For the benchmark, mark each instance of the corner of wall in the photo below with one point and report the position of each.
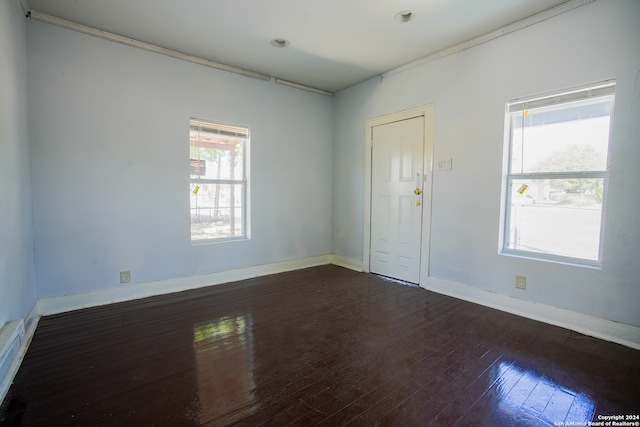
(346, 262)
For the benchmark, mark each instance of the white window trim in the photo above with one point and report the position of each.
(246, 226)
(605, 88)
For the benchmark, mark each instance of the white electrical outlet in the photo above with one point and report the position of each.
(125, 276)
(521, 282)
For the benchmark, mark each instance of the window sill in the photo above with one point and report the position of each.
(571, 262)
(219, 240)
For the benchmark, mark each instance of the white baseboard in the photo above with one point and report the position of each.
(346, 262)
(11, 338)
(60, 304)
(15, 337)
(626, 335)
(620, 333)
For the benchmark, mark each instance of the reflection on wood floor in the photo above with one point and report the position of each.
(320, 346)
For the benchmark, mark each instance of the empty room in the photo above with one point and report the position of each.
(407, 213)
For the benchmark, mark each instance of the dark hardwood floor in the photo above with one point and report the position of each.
(321, 346)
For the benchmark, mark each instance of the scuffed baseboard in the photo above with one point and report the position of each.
(620, 333)
(60, 304)
(15, 337)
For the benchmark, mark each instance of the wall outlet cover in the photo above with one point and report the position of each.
(125, 276)
(444, 164)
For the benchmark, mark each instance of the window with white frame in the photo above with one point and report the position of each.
(557, 174)
(218, 181)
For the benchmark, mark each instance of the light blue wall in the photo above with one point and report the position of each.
(468, 90)
(17, 280)
(109, 131)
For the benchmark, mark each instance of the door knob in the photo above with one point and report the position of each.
(417, 191)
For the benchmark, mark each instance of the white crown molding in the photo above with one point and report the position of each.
(25, 7)
(503, 31)
(70, 25)
(542, 16)
(85, 29)
(304, 87)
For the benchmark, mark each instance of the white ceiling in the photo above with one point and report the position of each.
(334, 44)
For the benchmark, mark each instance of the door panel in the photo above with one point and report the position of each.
(396, 210)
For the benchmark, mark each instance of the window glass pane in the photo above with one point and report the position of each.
(218, 180)
(556, 216)
(557, 170)
(216, 156)
(567, 137)
(217, 211)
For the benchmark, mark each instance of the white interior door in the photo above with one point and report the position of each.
(397, 179)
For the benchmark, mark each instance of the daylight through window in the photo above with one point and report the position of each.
(557, 178)
(218, 181)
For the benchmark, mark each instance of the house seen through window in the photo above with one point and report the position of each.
(557, 177)
(218, 181)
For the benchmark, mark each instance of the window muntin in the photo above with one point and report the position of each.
(218, 181)
(556, 183)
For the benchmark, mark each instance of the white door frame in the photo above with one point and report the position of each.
(427, 112)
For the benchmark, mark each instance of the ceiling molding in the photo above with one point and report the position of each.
(508, 29)
(503, 31)
(25, 7)
(70, 25)
(303, 87)
(85, 29)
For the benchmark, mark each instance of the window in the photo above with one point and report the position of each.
(557, 176)
(218, 181)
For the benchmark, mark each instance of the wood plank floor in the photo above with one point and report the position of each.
(320, 346)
